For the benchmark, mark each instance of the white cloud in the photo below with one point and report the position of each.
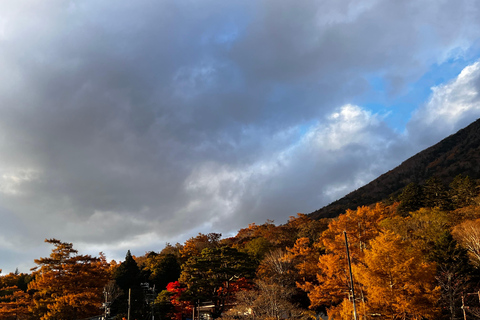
(11, 180)
(450, 107)
(349, 125)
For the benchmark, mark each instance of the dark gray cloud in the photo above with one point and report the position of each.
(126, 125)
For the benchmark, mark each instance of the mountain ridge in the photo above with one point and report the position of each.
(457, 154)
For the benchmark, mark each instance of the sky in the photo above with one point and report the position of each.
(126, 125)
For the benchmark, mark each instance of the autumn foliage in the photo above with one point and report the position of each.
(414, 259)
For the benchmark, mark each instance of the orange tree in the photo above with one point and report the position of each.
(398, 281)
(194, 246)
(68, 285)
(14, 304)
(328, 286)
(14, 301)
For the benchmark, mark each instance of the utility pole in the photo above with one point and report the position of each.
(129, 297)
(351, 277)
(153, 297)
(106, 302)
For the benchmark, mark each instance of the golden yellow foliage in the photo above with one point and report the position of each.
(398, 282)
(305, 259)
(361, 225)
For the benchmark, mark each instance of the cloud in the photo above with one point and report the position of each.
(333, 156)
(126, 125)
(451, 107)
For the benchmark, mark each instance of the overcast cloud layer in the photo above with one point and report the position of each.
(126, 125)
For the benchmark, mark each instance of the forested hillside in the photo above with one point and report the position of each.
(417, 258)
(454, 155)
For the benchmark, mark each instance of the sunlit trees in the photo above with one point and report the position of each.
(19, 280)
(15, 304)
(468, 235)
(275, 265)
(68, 285)
(425, 226)
(406, 265)
(304, 256)
(398, 282)
(194, 246)
(361, 225)
(331, 286)
(269, 300)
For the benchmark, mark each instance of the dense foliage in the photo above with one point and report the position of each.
(415, 258)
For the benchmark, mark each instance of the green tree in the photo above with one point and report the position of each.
(257, 247)
(128, 278)
(435, 194)
(161, 269)
(454, 274)
(163, 306)
(216, 275)
(411, 199)
(462, 191)
(425, 226)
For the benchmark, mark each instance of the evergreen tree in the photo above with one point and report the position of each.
(454, 275)
(161, 269)
(411, 199)
(435, 194)
(216, 275)
(462, 191)
(127, 277)
(68, 285)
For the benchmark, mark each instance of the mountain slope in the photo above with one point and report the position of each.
(456, 154)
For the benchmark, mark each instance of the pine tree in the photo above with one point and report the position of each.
(68, 285)
(462, 191)
(454, 274)
(411, 199)
(435, 194)
(216, 275)
(127, 277)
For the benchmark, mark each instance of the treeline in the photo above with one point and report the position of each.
(413, 257)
